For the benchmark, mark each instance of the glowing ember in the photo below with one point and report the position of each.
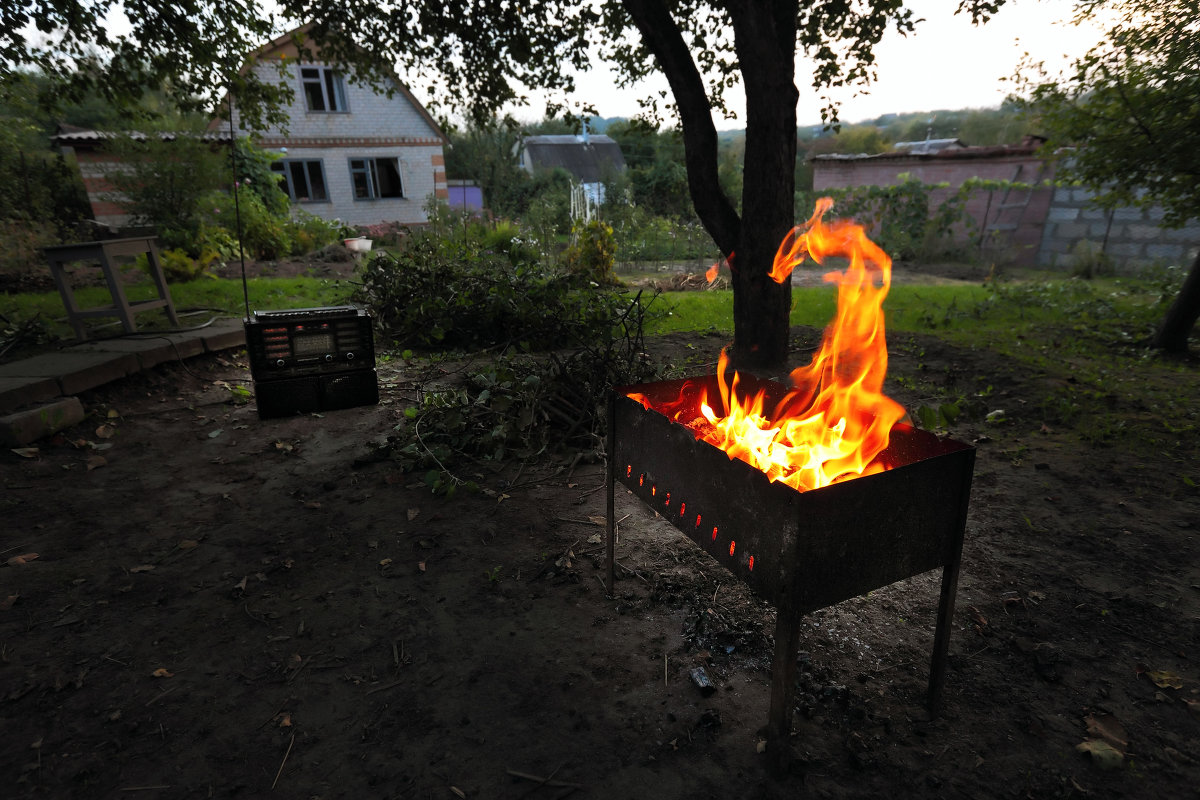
(835, 420)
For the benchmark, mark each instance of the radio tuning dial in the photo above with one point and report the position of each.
(328, 358)
(280, 363)
(349, 356)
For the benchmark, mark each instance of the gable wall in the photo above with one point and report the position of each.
(374, 125)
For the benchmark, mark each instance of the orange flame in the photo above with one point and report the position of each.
(835, 419)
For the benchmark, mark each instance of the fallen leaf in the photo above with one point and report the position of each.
(241, 585)
(1103, 754)
(421, 566)
(1106, 727)
(313, 504)
(26, 452)
(601, 521)
(142, 568)
(594, 539)
(216, 433)
(24, 558)
(95, 462)
(105, 432)
(162, 673)
(285, 720)
(286, 447)
(385, 562)
(1193, 706)
(457, 792)
(8, 602)
(412, 513)
(113, 413)
(187, 544)
(1165, 680)
(977, 617)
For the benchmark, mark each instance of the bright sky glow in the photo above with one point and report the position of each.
(948, 63)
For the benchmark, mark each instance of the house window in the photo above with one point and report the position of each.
(373, 178)
(323, 89)
(303, 179)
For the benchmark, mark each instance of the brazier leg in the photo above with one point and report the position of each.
(783, 687)
(941, 637)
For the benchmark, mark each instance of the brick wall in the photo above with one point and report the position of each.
(1018, 227)
(93, 167)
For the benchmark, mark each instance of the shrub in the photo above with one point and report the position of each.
(590, 257)
(456, 293)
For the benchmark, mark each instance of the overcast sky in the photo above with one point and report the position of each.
(948, 63)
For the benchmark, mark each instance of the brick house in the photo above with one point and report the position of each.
(350, 152)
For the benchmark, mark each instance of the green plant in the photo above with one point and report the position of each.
(1089, 261)
(452, 291)
(590, 256)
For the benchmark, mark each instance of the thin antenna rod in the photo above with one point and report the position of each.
(237, 206)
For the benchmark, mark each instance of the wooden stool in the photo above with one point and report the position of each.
(104, 254)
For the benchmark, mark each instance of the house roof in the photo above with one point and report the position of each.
(72, 136)
(1027, 146)
(929, 145)
(588, 158)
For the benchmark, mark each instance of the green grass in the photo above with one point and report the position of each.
(1078, 346)
(217, 295)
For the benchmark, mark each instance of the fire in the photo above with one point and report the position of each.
(835, 419)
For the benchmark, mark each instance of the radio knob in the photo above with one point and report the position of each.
(280, 363)
(329, 358)
(349, 356)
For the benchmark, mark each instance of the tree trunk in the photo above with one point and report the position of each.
(1172, 334)
(765, 39)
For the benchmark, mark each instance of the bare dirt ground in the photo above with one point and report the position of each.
(222, 606)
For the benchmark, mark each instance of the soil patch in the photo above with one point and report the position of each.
(222, 605)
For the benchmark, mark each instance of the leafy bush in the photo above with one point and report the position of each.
(457, 293)
(178, 266)
(902, 218)
(590, 257)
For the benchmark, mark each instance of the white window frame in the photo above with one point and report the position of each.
(364, 175)
(329, 87)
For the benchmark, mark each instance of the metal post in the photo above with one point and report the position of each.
(611, 477)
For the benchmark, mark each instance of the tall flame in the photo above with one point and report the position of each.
(835, 419)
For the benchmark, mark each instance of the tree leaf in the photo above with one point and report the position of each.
(1165, 680)
(1103, 754)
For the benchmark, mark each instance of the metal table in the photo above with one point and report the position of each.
(105, 254)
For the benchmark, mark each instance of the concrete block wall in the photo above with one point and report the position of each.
(1132, 238)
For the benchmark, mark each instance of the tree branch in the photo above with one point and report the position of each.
(663, 38)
